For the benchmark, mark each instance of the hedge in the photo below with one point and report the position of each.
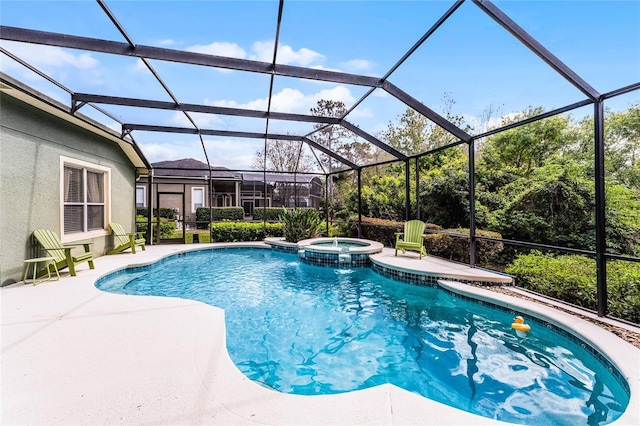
(219, 214)
(244, 231)
(166, 228)
(572, 279)
(445, 246)
(164, 212)
(457, 248)
(373, 229)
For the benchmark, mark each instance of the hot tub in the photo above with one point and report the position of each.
(338, 251)
(329, 251)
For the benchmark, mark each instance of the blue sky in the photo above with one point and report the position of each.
(470, 58)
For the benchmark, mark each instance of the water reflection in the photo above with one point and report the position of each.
(312, 330)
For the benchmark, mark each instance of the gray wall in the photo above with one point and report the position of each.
(31, 143)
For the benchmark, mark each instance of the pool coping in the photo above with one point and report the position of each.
(72, 354)
(626, 358)
(372, 247)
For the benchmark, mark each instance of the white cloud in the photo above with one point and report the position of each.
(292, 100)
(166, 42)
(60, 64)
(263, 51)
(358, 65)
(361, 112)
(49, 58)
(232, 153)
(140, 67)
(161, 147)
(220, 49)
(155, 153)
(338, 93)
(303, 57)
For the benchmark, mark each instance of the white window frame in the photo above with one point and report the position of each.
(144, 195)
(194, 189)
(106, 171)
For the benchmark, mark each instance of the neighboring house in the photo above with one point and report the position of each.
(283, 190)
(183, 185)
(61, 172)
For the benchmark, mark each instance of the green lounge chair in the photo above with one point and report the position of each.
(412, 238)
(124, 239)
(61, 253)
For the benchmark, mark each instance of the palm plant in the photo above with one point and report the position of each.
(300, 224)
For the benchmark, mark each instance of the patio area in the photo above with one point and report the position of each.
(72, 354)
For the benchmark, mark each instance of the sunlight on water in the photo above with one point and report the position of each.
(313, 330)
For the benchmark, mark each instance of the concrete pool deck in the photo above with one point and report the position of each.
(72, 354)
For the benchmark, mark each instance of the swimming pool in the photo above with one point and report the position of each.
(306, 329)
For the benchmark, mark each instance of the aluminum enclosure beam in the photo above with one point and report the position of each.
(410, 52)
(377, 142)
(207, 109)
(600, 208)
(330, 153)
(426, 111)
(426, 35)
(171, 55)
(535, 118)
(209, 132)
(532, 44)
(236, 134)
(621, 91)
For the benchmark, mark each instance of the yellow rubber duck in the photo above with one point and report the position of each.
(520, 327)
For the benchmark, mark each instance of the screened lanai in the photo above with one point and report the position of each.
(351, 92)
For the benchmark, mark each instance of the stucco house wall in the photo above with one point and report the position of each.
(32, 143)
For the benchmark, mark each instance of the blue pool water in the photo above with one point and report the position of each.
(310, 330)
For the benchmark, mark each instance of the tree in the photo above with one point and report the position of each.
(527, 147)
(283, 156)
(410, 135)
(415, 134)
(444, 195)
(342, 142)
(554, 205)
(622, 145)
(382, 198)
(622, 136)
(337, 138)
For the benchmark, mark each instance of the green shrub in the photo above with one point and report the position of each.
(300, 224)
(166, 228)
(164, 212)
(573, 279)
(142, 224)
(219, 214)
(380, 230)
(272, 213)
(623, 290)
(244, 231)
(203, 236)
(457, 248)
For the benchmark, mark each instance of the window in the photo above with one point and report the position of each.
(197, 198)
(85, 197)
(141, 196)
